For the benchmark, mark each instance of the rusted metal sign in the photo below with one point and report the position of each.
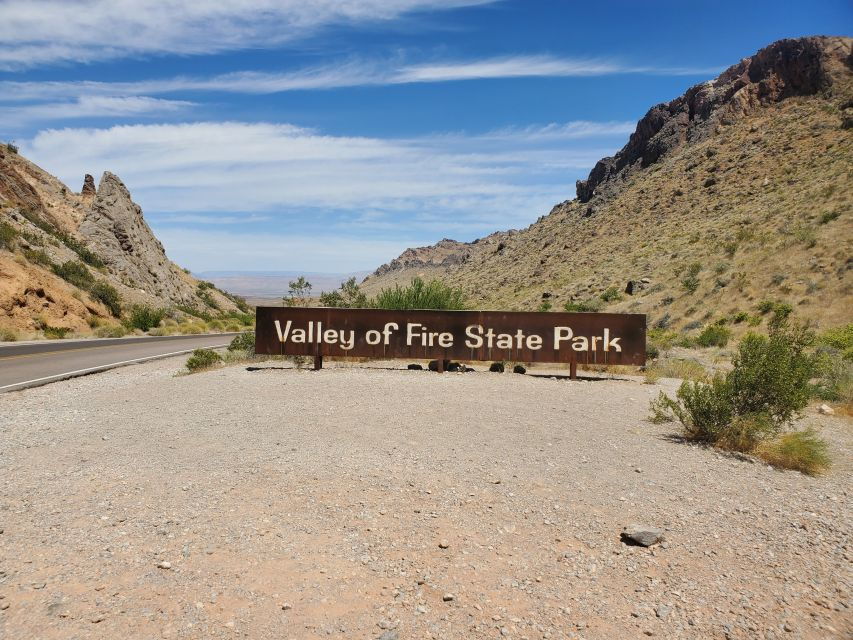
(585, 338)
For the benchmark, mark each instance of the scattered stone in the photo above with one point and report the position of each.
(642, 535)
(444, 544)
(497, 367)
(98, 618)
(391, 634)
(448, 597)
(826, 410)
(164, 565)
(415, 367)
(519, 369)
(286, 606)
(4, 605)
(662, 611)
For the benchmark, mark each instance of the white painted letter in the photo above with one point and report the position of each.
(561, 334)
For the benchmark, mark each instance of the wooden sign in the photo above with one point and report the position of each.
(586, 338)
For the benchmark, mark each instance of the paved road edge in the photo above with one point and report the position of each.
(38, 382)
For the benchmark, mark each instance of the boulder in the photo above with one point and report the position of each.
(497, 367)
(642, 535)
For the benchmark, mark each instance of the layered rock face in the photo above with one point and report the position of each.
(799, 67)
(115, 230)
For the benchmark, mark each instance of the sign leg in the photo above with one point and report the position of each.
(318, 363)
(573, 370)
(440, 365)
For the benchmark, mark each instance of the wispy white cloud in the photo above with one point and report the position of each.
(283, 170)
(90, 107)
(37, 32)
(349, 73)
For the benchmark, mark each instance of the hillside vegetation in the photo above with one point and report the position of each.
(87, 262)
(729, 200)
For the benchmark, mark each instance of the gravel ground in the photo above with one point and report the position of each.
(380, 503)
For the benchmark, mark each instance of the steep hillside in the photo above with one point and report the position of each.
(737, 192)
(62, 252)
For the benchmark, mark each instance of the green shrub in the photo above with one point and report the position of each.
(611, 294)
(75, 273)
(11, 147)
(840, 339)
(77, 247)
(803, 451)
(55, 332)
(590, 305)
(144, 317)
(107, 295)
(231, 327)
(111, 331)
(244, 342)
(421, 295)
(834, 381)
(348, 295)
(203, 359)
(8, 233)
(37, 256)
(544, 306)
(740, 316)
(829, 216)
(714, 335)
(690, 281)
(192, 311)
(763, 393)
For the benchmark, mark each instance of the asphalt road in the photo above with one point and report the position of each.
(35, 363)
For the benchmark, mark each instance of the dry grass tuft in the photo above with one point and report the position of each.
(799, 450)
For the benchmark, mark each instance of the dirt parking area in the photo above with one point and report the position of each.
(376, 503)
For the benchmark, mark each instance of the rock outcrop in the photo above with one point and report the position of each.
(88, 190)
(797, 67)
(745, 177)
(116, 231)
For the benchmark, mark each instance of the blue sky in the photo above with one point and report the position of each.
(328, 136)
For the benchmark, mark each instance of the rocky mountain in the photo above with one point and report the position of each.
(737, 192)
(61, 251)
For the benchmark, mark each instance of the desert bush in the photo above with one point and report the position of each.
(661, 339)
(840, 339)
(8, 233)
(107, 294)
(803, 451)
(679, 368)
(11, 147)
(829, 216)
(245, 319)
(834, 382)
(8, 335)
(590, 305)
(77, 247)
(751, 404)
(651, 376)
(216, 325)
(611, 294)
(348, 295)
(714, 335)
(690, 281)
(75, 273)
(230, 327)
(193, 328)
(38, 256)
(740, 316)
(55, 332)
(144, 317)
(544, 306)
(243, 342)
(421, 295)
(202, 359)
(298, 293)
(111, 331)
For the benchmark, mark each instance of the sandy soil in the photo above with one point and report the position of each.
(297, 504)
